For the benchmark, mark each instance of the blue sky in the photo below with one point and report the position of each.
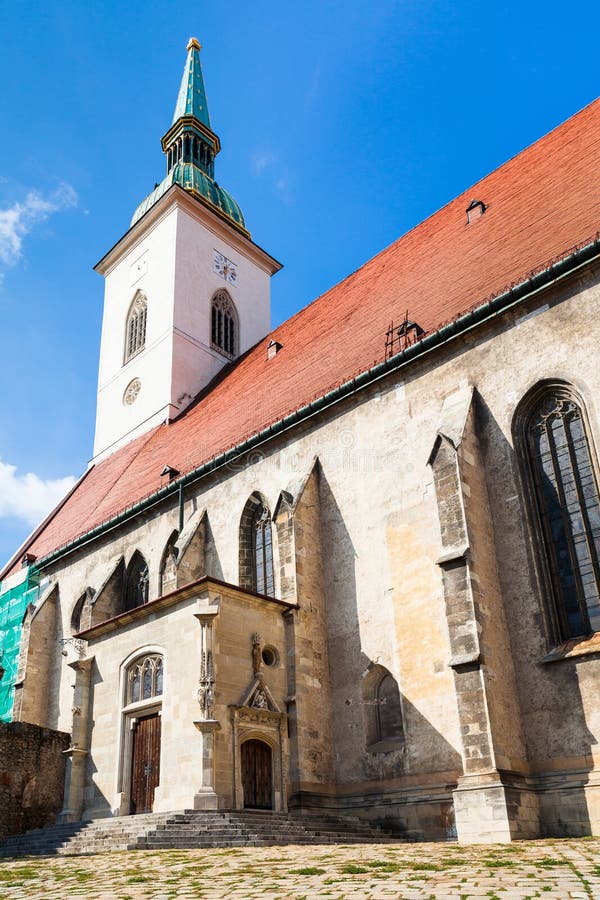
(342, 125)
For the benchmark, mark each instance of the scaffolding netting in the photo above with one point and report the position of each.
(13, 606)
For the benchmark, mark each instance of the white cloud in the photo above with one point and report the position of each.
(265, 163)
(261, 161)
(16, 221)
(28, 496)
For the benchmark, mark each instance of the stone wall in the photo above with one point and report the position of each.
(370, 556)
(32, 774)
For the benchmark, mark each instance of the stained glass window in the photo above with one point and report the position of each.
(568, 505)
(145, 679)
(262, 541)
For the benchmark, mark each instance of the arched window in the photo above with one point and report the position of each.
(81, 617)
(135, 332)
(168, 565)
(388, 709)
(262, 545)
(145, 679)
(560, 467)
(136, 582)
(256, 547)
(224, 328)
(383, 708)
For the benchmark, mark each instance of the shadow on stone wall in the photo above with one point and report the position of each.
(558, 741)
(382, 791)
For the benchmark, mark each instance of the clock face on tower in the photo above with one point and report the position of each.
(225, 268)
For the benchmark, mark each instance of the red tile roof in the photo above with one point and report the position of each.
(540, 205)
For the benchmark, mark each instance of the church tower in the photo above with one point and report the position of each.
(186, 289)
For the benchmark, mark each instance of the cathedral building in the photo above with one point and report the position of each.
(349, 565)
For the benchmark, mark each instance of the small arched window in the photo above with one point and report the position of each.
(81, 617)
(145, 679)
(136, 582)
(560, 465)
(383, 708)
(224, 324)
(389, 711)
(262, 546)
(135, 332)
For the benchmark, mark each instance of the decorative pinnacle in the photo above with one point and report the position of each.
(194, 43)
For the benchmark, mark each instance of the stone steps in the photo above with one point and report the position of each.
(192, 829)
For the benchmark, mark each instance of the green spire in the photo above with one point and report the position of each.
(190, 146)
(191, 100)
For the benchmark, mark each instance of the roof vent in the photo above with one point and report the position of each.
(273, 348)
(475, 210)
(171, 472)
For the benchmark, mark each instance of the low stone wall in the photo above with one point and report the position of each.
(32, 776)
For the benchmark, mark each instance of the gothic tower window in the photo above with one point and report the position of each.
(561, 475)
(135, 332)
(136, 582)
(224, 324)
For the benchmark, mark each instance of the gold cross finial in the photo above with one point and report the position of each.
(194, 43)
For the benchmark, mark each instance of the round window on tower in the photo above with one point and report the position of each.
(131, 392)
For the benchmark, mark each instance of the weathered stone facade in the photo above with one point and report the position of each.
(32, 776)
(424, 568)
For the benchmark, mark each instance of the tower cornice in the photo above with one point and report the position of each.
(210, 218)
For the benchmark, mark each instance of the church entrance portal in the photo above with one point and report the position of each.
(257, 775)
(145, 763)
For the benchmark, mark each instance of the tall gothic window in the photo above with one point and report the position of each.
(262, 545)
(560, 463)
(135, 333)
(136, 582)
(224, 324)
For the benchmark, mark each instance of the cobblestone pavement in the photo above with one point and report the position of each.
(549, 869)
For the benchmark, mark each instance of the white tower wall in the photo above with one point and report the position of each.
(169, 255)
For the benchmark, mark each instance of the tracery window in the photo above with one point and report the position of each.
(135, 332)
(224, 324)
(561, 467)
(136, 582)
(168, 566)
(262, 545)
(145, 679)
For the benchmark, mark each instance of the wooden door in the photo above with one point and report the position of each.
(145, 763)
(257, 775)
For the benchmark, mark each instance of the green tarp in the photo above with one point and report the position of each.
(13, 605)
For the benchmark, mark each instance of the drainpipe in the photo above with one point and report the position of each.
(181, 506)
